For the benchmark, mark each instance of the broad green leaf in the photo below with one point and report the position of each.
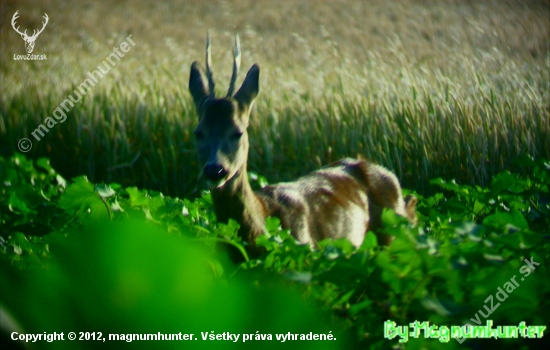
(18, 206)
(44, 163)
(137, 198)
(507, 182)
(272, 224)
(502, 219)
(78, 195)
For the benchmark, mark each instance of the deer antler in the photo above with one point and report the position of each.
(209, 73)
(13, 19)
(236, 65)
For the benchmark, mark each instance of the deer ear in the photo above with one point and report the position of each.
(198, 89)
(250, 88)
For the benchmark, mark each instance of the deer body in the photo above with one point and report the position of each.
(342, 200)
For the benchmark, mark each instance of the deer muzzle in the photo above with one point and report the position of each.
(215, 174)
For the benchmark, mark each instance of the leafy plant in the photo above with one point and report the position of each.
(144, 256)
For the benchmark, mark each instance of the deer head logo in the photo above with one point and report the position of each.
(29, 40)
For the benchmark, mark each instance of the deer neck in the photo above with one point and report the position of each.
(236, 200)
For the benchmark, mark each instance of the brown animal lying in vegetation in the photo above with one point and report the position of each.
(342, 200)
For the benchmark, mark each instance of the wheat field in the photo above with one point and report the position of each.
(453, 89)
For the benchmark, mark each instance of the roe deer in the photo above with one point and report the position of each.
(343, 199)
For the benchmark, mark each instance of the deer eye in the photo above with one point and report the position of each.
(236, 135)
(199, 135)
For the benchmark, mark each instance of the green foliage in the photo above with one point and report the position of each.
(128, 261)
(149, 260)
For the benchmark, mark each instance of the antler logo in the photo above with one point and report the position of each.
(29, 40)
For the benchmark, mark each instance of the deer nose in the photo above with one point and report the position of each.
(214, 172)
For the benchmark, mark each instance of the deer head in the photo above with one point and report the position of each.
(29, 40)
(221, 137)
